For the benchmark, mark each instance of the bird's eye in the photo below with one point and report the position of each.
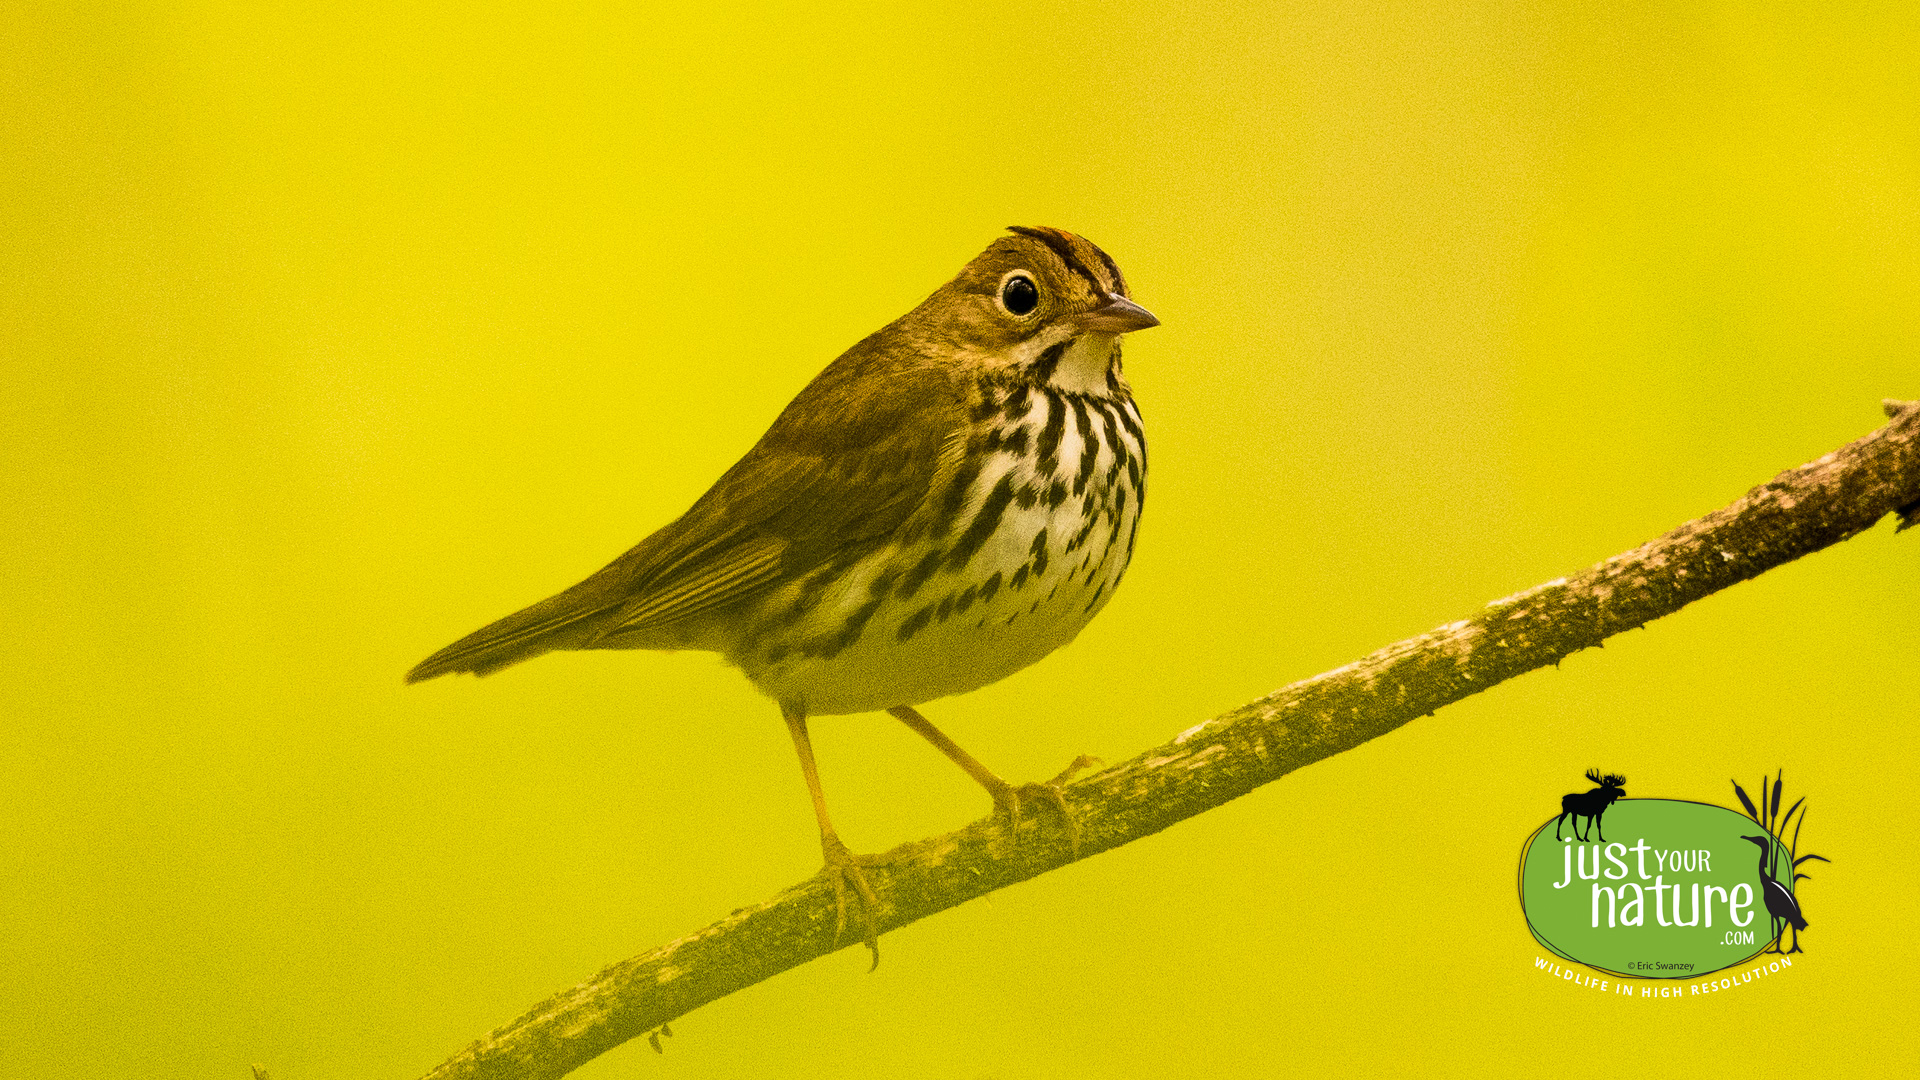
(1019, 295)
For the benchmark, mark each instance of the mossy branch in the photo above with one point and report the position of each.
(1800, 511)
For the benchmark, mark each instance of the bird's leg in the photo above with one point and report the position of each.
(1006, 797)
(842, 865)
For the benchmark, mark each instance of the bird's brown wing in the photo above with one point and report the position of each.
(841, 470)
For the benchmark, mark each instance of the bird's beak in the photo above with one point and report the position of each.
(1117, 316)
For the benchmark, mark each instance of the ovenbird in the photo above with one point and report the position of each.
(948, 502)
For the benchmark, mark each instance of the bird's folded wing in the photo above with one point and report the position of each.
(823, 486)
(837, 476)
(704, 582)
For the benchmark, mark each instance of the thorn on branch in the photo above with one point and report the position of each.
(653, 1037)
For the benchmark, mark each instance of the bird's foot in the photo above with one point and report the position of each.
(842, 867)
(1052, 793)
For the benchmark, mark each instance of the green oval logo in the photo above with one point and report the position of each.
(1679, 891)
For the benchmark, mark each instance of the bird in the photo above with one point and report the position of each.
(949, 501)
(1780, 902)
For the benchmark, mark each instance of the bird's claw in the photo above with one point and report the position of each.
(1052, 792)
(843, 865)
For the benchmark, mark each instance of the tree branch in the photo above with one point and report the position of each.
(1800, 511)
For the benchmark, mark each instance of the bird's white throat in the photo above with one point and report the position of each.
(1083, 367)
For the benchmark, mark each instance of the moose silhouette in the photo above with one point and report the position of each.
(1591, 804)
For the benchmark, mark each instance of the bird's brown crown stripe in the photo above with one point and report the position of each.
(1113, 268)
(1063, 247)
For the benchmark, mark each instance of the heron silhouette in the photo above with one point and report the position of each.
(1780, 902)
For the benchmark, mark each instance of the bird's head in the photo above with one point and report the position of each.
(1042, 299)
(1765, 843)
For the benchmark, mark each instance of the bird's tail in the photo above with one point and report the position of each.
(567, 621)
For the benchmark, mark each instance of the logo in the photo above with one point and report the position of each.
(1682, 890)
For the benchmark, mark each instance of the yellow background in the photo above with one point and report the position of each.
(327, 337)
